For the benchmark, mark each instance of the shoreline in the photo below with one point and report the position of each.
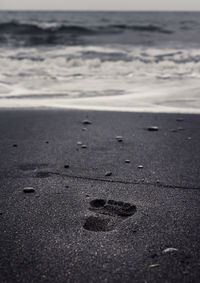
(101, 109)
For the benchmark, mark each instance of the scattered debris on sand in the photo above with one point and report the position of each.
(153, 129)
(84, 146)
(140, 166)
(28, 190)
(169, 250)
(108, 173)
(119, 138)
(86, 122)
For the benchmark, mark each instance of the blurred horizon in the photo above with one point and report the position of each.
(101, 5)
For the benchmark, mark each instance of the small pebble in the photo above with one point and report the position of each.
(79, 143)
(29, 190)
(84, 146)
(66, 166)
(127, 161)
(140, 166)
(179, 119)
(119, 138)
(86, 122)
(180, 129)
(108, 173)
(15, 145)
(84, 129)
(169, 250)
(153, 128)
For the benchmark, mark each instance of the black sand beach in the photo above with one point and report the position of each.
(102, 209)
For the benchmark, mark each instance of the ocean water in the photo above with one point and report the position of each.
(128, 61)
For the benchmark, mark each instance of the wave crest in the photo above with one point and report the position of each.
(30, 34)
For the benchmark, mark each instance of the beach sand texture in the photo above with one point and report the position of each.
(90, 196)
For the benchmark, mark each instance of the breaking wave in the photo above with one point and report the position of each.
(31, 34)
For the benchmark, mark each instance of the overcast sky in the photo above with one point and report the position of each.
(100, 5)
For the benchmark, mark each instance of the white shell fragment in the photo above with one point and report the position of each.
(169, 250)
(140, 166)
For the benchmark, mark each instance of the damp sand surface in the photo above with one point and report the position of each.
(83, 225)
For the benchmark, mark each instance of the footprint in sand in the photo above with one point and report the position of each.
(108, 214)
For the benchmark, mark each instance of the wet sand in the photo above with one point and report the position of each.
(104, 201)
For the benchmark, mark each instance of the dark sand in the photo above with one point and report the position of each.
(56, 235)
